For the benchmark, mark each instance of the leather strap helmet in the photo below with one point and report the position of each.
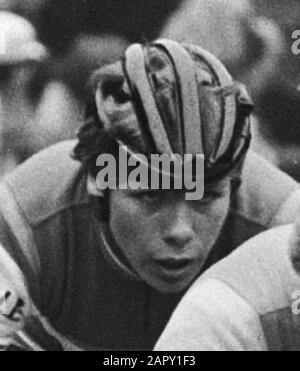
(183, 102)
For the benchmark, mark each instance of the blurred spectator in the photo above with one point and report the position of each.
(62, 102)
(81, 36)
(20, 51)
(252, 37)
(249, 44)
(86, 54)
(279, 106)
(60, 22)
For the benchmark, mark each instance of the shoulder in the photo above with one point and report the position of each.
(267, 196)
(261, 271)
(48, 182)
(213, 317)
(226, 307)
(45, 219)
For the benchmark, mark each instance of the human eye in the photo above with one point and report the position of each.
(148, 196)
(213, 192)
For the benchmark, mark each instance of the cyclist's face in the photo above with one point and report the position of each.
(166, 238)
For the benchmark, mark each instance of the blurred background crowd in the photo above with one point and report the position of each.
(48, 48)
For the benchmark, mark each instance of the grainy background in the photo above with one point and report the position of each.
(252, 37)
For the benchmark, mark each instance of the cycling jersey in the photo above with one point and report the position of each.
(248, 302)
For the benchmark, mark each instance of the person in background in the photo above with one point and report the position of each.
(20, 52)
(104, 270)
(248, 42)
(61, 87)
(81, 36)
(279, 106)
(60, 23)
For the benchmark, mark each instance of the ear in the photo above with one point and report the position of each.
(108, 92)
(92, 187)
(100, 203)
(244, 100)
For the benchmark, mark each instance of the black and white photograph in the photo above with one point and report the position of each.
(149, 178)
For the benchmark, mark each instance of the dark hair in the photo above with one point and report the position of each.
(94, 138)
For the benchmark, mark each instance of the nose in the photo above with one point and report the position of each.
(180, 231)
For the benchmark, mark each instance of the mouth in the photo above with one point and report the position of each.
(173, 267)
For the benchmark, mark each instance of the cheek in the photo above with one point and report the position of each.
(220, 209)
(211, 220)
(130, 227)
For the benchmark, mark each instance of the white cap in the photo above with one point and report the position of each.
(18, 40)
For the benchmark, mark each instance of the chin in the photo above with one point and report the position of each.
(170, 289)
